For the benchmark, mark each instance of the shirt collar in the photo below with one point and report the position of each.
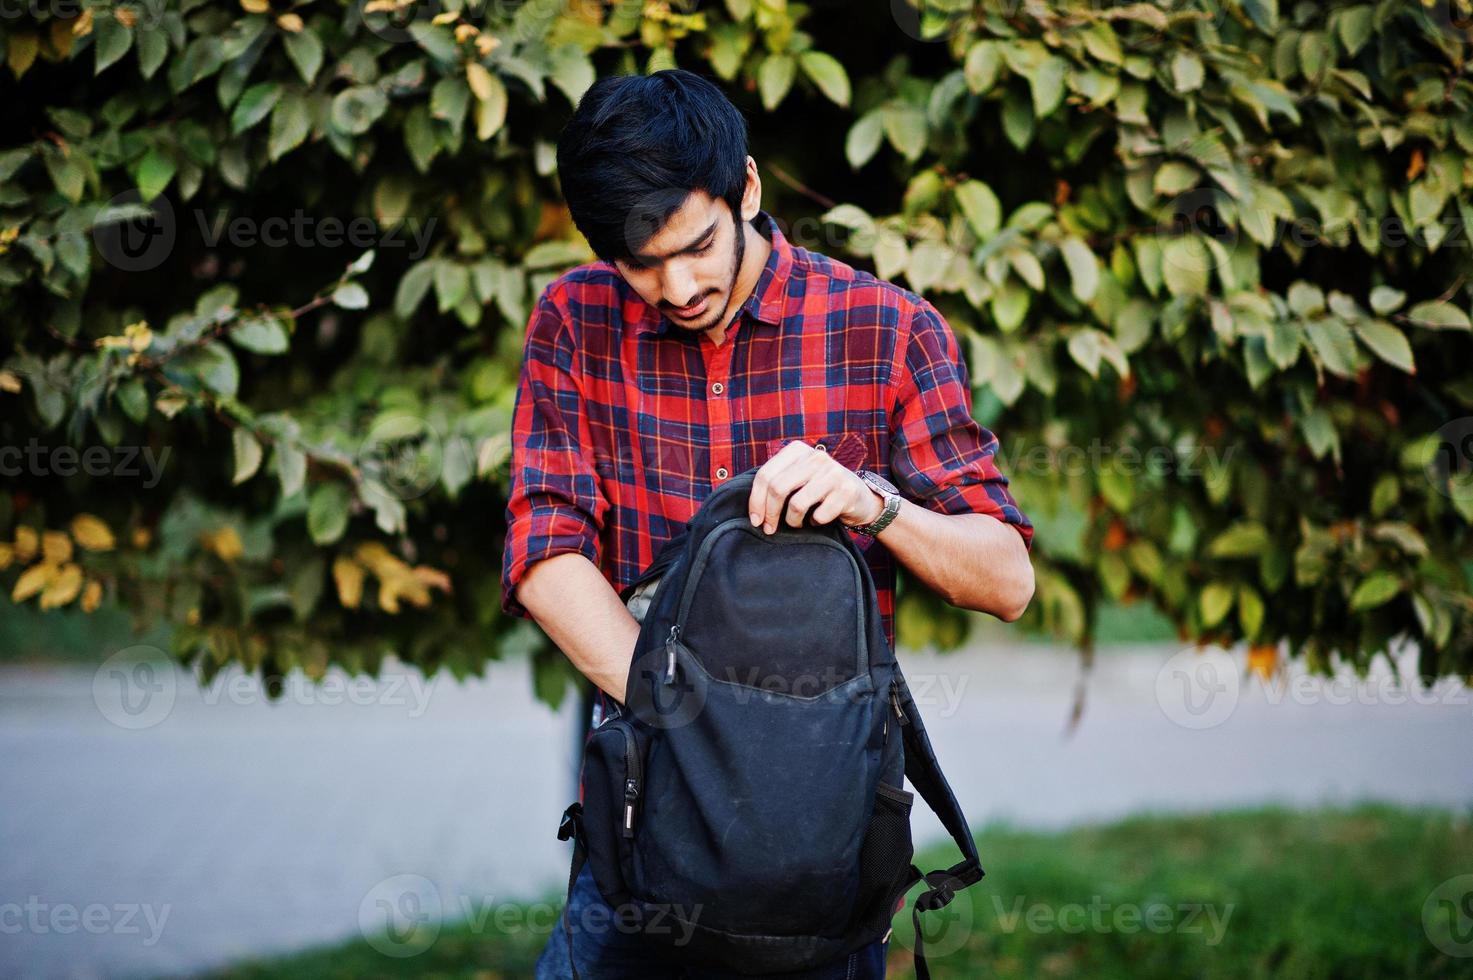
(768, 300)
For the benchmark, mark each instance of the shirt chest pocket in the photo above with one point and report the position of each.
(847, 447)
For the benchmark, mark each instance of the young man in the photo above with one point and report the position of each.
(702, 344)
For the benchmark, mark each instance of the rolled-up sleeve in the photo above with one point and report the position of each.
(555, 504)
(940, 455)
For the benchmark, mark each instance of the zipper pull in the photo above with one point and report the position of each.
(631, 793)
(895, 703)
(670, 653)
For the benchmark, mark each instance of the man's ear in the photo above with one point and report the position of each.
(753, 190)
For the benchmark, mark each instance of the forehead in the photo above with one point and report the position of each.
(685, 228)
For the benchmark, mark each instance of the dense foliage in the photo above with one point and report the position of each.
(265, 270)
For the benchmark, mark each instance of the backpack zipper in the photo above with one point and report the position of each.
(895, 703)
(631, 779)
(670, 653)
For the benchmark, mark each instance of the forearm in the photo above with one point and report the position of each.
(581, 613)
(974, 561)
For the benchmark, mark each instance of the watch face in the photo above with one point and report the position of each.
(876, 480)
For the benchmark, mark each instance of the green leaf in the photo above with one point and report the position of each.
(451, 282)
(1245, 539)
(1174, 177)
(154, 173)
(1084, 268)
(255, 104)
(774, 79)
(290, 124)
(356, 109)
(111, 40)
(1385, 299)
(1250, 612)
(1388, 343)
(248, 454)
(572, 72)
(265, 334)
(1215, 602)
(1010, 305)
(826, 72)
(1356, 26)
(350, 296)
(290, 466)
(1333, 342)
(449, 100)
(1439, 315)
(215, 368)
(1187, 72)
(1185, 266)
(863, 139)
(1047, 84)
(905, 127)
(327, 513)
(981, 66)
(1376, 589)
(304, 48)
(980, 207)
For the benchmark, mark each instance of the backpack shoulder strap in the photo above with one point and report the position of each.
(924, 773)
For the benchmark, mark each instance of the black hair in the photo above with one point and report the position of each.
(638, 145)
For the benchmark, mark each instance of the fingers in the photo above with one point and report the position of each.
(794, 480)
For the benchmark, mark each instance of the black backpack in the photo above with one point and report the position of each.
(745, 809)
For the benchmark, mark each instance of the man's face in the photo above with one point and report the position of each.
(688, 270)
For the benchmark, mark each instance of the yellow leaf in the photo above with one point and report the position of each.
(432, 577)
(224, 542)
(21, 50)
(487, 43)
(63, 587)
(1263, 660)
(479, 78)
(92, 596)
(377, 558)
(62, 37)
(291, 23)
(82, 26)
(348, 575)
(448, 17)
(7, 552)
(255, 6)
(388, 596)
(142, 538)
(9, 381)
(126, 17)
(139, 335)
(91, 533)
(56, 547)
(31, 581)
(26, 541)
(464, 32)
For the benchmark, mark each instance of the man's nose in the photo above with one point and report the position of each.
(680, 287)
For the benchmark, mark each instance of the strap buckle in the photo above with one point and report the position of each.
(571, 824)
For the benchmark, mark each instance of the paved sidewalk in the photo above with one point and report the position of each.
(141, 841)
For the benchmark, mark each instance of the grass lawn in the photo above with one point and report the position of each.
(1255, 893)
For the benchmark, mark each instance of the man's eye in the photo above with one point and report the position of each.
(706, 248)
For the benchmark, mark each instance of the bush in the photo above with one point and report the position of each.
(1208, 262)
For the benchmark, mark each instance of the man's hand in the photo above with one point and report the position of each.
(805, 477)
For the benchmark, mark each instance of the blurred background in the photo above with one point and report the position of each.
(265, 272)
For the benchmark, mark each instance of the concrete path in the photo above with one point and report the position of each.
(148, 827)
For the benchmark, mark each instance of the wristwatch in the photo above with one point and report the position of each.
(891, 495)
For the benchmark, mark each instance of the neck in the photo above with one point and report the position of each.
(753, 261)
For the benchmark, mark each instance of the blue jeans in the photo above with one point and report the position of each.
(606, 951)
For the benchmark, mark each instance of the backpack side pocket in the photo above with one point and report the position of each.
(884, 856)
(613, 789)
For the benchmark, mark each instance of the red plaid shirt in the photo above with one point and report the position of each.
(624, 424)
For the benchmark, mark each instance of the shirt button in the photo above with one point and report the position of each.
(721, 473)
(821, 448)
(717, 388)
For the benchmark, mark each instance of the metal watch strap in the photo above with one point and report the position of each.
(892, 507)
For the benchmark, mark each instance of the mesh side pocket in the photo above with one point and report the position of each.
(884, 857)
